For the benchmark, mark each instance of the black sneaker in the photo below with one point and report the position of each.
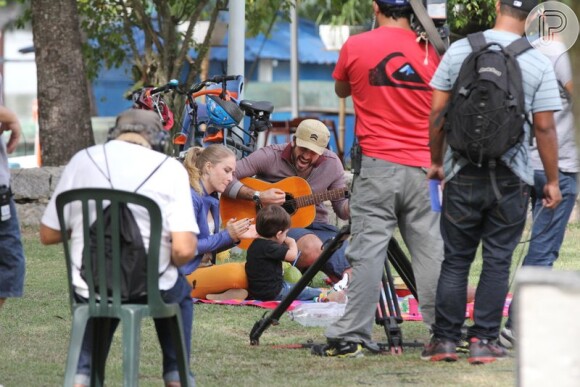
(483, 351)
(440, 350)
(340, 349)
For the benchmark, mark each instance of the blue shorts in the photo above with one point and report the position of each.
(12, 265)
(337, 263)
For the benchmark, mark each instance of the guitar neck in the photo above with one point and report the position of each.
(319, 197)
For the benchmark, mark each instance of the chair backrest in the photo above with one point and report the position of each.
(94, 201)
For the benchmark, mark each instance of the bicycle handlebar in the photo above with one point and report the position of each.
(172, 84)
(216, 79)
(223, 78)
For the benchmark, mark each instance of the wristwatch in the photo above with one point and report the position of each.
(256, 196)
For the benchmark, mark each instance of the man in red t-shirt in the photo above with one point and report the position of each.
(387, 73)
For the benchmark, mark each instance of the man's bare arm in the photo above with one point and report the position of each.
(439, 102)
(547, 140)
(342, 89)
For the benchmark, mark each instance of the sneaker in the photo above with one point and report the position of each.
(483, 351)
(230, 294)
(340, 349)
(463, 343)
(462, 346)
(342, 284)
(439, 350)
(507, 338)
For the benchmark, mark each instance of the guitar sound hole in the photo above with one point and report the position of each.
(290, 204)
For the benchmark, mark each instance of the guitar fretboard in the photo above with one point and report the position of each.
(319, 197)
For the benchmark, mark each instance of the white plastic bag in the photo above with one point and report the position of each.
(319, 314)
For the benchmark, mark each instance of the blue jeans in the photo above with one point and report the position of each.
(180, 294)
(472, 214)
(12, 262)
(337, 263)
(549, 225)
(307, 294)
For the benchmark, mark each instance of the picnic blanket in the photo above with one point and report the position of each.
(409, 308)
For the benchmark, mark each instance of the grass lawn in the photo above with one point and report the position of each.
(34, 335)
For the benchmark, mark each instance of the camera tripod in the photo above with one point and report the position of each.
(388, 312)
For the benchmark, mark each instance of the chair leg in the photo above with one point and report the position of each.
(80, 318)
(131, 347)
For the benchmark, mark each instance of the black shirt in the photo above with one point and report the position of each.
(264, 269)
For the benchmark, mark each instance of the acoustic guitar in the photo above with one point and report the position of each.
(300, 201)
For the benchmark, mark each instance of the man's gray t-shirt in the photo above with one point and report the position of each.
(567, 148)
(540, 89)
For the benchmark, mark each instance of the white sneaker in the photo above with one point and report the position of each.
(342, 284)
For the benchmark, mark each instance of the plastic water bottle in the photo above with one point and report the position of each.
(317, 314)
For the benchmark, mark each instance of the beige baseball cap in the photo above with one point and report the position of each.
(312, 134)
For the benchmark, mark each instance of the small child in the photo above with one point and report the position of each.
(266, 254)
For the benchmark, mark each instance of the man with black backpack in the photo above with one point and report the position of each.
(133, 160)
(479, 108)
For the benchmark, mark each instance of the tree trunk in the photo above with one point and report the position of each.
(63, 101)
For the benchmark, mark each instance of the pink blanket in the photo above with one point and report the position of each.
(410, 310)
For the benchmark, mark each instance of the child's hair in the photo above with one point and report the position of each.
(271, 219)
(197, 157)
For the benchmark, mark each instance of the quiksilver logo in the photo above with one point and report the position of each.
(490, 70)
(314, 137)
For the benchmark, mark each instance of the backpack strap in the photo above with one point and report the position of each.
(106, 175)
(518, 46)
(151, 174)
(476, 40)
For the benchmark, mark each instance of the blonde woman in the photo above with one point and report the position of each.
(210, 171)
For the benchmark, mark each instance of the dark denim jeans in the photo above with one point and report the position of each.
(549, 225)
(307, 294)
(337, 263)
(12, 263)
(473, 214)
(180, 293)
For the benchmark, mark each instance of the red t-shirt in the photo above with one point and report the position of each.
(389, 74)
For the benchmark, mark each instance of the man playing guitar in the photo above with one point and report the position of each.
(305, 156)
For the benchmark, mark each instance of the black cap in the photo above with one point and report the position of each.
(524, 5)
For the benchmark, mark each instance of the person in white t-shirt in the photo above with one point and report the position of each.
(123, 163)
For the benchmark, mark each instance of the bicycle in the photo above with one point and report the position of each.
(215, 120)
(151, 98)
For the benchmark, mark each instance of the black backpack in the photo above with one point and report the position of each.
(132, 248)
(486, 113)
(133, 253)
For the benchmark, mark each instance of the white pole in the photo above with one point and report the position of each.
(294, 92)
(237, 45)
(237, 38)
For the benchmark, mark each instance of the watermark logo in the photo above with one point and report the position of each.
(552, 28)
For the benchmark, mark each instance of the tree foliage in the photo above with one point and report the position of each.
(146, 34)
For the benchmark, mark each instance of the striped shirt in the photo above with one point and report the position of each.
(540, 89)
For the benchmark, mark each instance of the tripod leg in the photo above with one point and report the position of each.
(402, 265)
(389, 313)
(261, 325)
